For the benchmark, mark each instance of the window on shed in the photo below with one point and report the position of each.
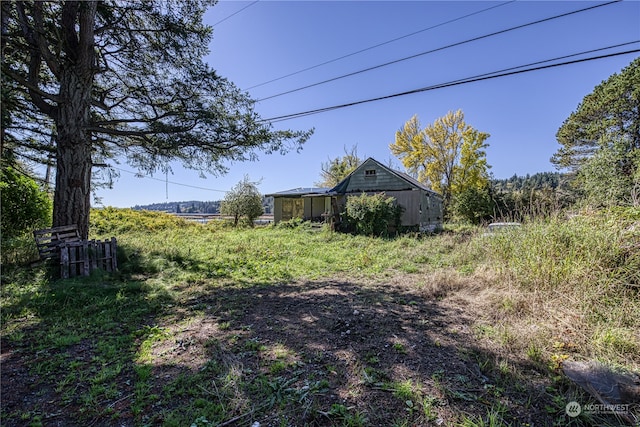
(292, 208)
(370, 172)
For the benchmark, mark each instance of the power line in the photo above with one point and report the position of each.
(481, 77)
(235, 13)
(381, 44)
(440, 49)
(138, 175)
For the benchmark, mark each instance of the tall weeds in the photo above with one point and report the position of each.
(576, 279)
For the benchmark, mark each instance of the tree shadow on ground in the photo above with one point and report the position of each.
(68, 347)
(348, 353)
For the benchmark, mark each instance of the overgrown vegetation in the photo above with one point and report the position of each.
(212, 325)
(582, 272)
(25, 206)
(372, 215)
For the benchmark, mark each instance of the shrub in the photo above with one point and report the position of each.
(25, 206)
(372, 215)
(472, 205)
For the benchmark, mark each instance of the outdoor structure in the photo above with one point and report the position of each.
(422, 207)
(76, 257)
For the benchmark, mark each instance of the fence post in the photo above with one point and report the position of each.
(114, 251)
(64, 261)
(107, 256)
(85, 258)
(93, 254)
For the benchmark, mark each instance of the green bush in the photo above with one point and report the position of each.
(372, 215)
(472, 205)
(25, 206)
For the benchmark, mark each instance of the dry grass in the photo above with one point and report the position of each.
(568, 288)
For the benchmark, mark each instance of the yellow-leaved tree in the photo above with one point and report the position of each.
(448, 155)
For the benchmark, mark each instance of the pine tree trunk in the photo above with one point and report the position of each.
(72, 197)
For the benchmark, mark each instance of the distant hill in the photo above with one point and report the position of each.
(538, 181)
(192, 206)
(196, 206)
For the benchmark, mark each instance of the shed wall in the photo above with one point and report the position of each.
(421, 208)
(277, 209)
(307, 208)
(371, 177)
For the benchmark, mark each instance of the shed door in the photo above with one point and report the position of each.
(292, 208)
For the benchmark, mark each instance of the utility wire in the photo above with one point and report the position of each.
(381, 44)
(235, 13)
(441, 48)
(138, 175)
(481, 77)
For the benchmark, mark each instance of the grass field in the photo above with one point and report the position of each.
(292, 326)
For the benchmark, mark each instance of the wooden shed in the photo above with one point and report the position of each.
(422, 206)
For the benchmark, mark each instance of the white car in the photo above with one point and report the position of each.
(499, 227)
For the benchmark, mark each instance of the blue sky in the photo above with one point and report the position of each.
(256, 42)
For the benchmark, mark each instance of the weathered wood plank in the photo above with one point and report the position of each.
(85, 258)
(64, 262)
(48, 240)
(114, 251)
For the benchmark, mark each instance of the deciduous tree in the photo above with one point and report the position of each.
(91, 81)
(335, 170)
(244, 200)
(448, 155)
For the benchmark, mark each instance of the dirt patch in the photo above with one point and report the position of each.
(367, 340)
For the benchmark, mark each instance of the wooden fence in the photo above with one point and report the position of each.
(82, 257)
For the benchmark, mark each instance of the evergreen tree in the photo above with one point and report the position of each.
(600, 141)
(89, 81)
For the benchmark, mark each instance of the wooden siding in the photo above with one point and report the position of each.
(410, 201)
(277, 209)
(382, 180)
(317, 206)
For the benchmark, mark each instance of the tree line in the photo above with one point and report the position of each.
(198, 206)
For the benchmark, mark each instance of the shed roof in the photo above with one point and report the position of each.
(300, 191)
(342, 186)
